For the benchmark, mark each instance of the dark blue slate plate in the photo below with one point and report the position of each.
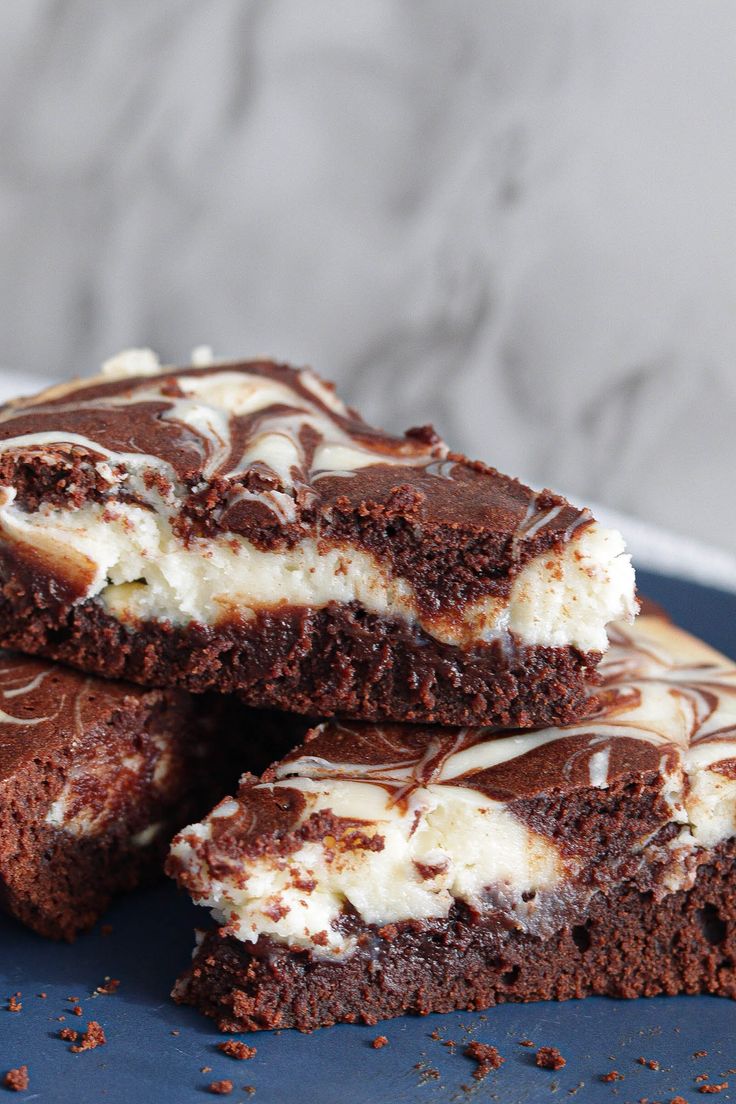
(155, 1050)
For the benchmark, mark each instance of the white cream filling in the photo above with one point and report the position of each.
(129, 559)
(471, 841)
(711, 806)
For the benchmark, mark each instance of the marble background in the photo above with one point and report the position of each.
(515, 218)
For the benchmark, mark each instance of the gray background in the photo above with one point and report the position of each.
(514, 218)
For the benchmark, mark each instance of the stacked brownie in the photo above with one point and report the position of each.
(236, 531)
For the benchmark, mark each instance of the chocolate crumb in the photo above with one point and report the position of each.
(16, 1079)
(234, 1049)
(15, 1004)
(93, 1037)
(526, 1043)
(77, 1010)
(110, 986)
(650, 1063)
(487, 1058)
(678, 1100)
(435, 1035)
(220, 1088)
(550, 1058)
(701, 1077)
(613, 1075)
(700, 1054)
(714, 1088)
(379, 1041)
(68, 1034)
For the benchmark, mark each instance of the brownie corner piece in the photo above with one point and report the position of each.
(385, 869)
(238, 528)
(95, 777)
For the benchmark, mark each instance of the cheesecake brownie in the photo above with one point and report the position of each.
(95, 777)
(379, 870)
(236, 527)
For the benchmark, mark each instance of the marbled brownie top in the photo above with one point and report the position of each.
(270, 453)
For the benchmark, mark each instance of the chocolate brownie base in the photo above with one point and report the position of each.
(626, 945)
(337, 660)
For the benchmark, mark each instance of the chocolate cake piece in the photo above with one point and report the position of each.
(95, 778)
(379, 870)
(238, 528)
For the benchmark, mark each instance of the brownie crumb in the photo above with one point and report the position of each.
(42, 996)
(206, 1069)
(678, 1100)
(427, 1073)
(714, 1088)
(379, 1041)
(110, 986)
(700, 1054)
(526, 1043)
(176, 1032)
(16, 1079)
(234, 1049)
(15, 1004)
(487, 1058)
(93, 1037)
(77, 1010)
(650, 1063)
(701, 1077)
(220, 1088)
(550, 1058)
(613, 1075)
(250, 1089)
(68, 1034)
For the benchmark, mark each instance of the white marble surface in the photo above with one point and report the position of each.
(514, 218)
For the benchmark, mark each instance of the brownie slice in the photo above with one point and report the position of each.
(379, 870)
(238, 528)
(96, 776)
